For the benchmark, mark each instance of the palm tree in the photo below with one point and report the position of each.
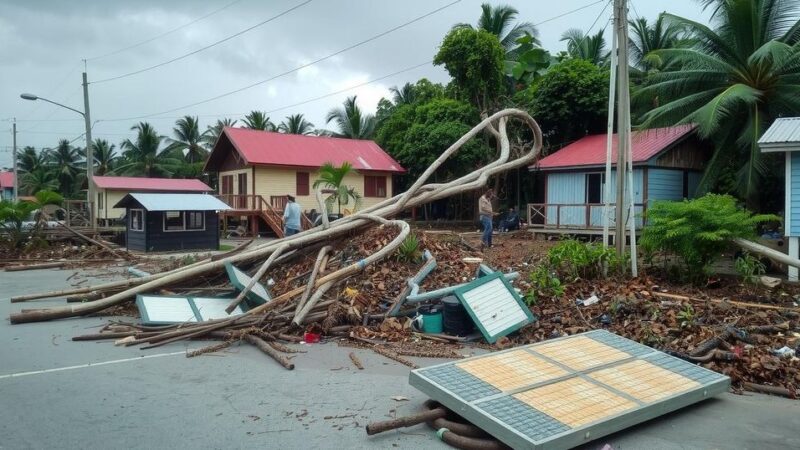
(189, 141)
(258, 120)
(734, 80)
(332, 177)
(405, 95)
(39, 179)
(30, 160)
(498, 20)
(144, 157)
(352, 122)
(105, 157)
(65, 163)
(296, 124)
(213, 132)
(584, 46)
(646, 38)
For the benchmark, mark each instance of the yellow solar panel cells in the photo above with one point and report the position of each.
(512, 370)
(580, 353)
(644, 381)
(575, 402)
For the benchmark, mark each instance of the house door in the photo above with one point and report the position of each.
(241, 181)
(226, 189)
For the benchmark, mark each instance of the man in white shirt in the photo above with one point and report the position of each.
(291, 217)
(486, 213)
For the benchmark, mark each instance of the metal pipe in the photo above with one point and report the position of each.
(511, 276)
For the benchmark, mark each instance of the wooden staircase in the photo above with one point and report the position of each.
(256, 206)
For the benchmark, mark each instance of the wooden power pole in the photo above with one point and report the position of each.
(623, 121)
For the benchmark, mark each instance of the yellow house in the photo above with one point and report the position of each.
(258, 169)
(110, 191)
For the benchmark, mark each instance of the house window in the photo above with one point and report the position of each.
(594, 183)
(301, 183)
(227, 185)
(173, 221)
(137, 220)
(195, 220)
(374, 186)
(99, 200)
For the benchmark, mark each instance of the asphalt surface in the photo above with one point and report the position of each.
(55, 393)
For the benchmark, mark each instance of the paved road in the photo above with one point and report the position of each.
(55, 393)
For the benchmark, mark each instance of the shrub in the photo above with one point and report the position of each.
(698, 231)
(575, 259)
(545, 283)
(749, 268)
(409, 251)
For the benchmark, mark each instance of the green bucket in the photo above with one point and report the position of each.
(431, 317)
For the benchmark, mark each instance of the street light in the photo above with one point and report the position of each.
(89, 150)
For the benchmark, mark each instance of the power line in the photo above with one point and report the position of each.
(166, 33)
(290, 71)
(186, 55)
(568, 13)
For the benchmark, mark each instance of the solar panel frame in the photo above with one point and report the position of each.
(240, 279)
(490, 403)
(486, 280)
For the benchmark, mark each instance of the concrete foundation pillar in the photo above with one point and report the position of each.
(794, 252)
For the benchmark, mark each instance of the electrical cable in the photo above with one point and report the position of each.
(194, 52)
(166, 33)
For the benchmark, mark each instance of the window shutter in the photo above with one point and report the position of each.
(301, 183)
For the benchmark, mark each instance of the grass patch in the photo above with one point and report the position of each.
(225, 247)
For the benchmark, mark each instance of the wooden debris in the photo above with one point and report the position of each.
(356, 361)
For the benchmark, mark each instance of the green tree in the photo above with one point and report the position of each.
(332, 177)
(296, 124)
(66, 163)
(213, 132)
(29, 160)
(499, 21)
(105, 157)
(258, 120)
(39, 179)
(404, 95)
(592, 48)
(733, 82)
(188, 142)
(474, 59)
(569, 101)
(645, 38)
(353, 123)
(144, 156)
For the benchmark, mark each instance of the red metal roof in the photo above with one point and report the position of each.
(6, 179)
(591, 150)
(280, 149)
(150, 184)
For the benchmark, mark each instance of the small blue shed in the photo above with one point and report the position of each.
(667, 165)
(784, 136)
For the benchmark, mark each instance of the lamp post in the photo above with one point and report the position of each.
(89, 150)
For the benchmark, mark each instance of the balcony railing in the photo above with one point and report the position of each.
(579, 216)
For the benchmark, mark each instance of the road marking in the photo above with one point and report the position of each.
(81, 366)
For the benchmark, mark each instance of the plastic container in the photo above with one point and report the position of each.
(455, 318)
(311, 338)
(431, 318)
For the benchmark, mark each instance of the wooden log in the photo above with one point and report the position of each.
(209, 349)
(392, 355)
(264, 347)
(408, 421)
(356, 361)
(731, 302)
(95, 242)
(20, 268)
(773, 390)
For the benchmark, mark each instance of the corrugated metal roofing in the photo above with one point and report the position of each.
(591, 150)
(6, 179)
(280, 149)
(174, 202)
(785, 130)
(151, 184)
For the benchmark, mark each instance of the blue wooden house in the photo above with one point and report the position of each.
(784, 136)
(667, 165)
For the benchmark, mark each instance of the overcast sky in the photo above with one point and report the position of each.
(44, 42)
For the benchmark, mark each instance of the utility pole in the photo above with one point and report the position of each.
(623, 121)
(90, 197)
(612, 86)
(15, 192)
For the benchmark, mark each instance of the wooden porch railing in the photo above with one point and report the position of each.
(574, 215)
(257, 205)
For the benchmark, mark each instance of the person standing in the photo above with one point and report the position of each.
(291, 217)
(486, 213)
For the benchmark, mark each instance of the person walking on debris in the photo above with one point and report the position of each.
(485, 212)
(291, 217)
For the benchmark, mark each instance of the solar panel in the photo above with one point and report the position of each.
(239, 279)
(211, 308)
(568, 391)
(161, 310)
(494, 306)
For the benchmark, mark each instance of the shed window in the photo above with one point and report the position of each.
(99, 200)
(173, 221)
(137, 220)
(374, 186)
(195, 220)
(301, 182)
(594, 183)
